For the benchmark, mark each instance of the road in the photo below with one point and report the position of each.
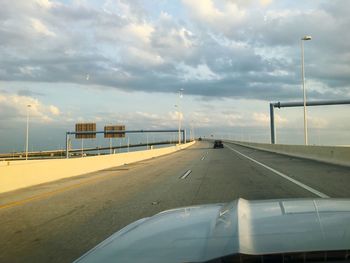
(59, 221)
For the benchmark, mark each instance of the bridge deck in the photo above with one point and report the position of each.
(59, 221)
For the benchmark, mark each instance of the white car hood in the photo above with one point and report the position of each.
(201, 233)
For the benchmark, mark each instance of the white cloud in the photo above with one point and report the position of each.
(200, 72)
(280, 120)
(222, 16)
(54, 110)
(14, 108)
(137, 32)
(204, 9)
(149, 119)
(40, 28)
(265, 2)
(118, 7)
(136, 56)
(263, 119)
(44, 3)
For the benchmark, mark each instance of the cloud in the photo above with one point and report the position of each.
(139, 32)
(14, 108)
(217, 48)
(265, 2)
(44, 3)
(39, 27)
(318, 122)
(200, 72)
(28, 93)
(261, 118)
(54, 110)
(141, 119)
(218, 15)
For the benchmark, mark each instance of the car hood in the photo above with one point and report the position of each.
(201, 233)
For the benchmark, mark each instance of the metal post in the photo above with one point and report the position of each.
(67, 145)
(110, 145)
(193, 133)
(128, 144)
(179, 108)
(304, 92)
(179, 124)
(82, 147)
(272, 123)
(27, 132)
(303, 83)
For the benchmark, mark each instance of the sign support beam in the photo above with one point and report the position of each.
(297, 104)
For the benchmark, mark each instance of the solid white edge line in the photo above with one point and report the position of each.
(308, 188)
(186, 174)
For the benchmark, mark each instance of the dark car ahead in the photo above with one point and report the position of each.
(218, 144)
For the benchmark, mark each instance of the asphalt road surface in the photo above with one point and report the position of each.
(59, 221)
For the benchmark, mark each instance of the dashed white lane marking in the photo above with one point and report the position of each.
(308, 188)
(203, 157)
(186, 174)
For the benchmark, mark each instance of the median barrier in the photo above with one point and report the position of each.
(339, 155)
(20, 174)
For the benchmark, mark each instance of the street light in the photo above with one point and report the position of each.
(305, 38)
(192, 136)
(27, 134)
(179, 124)
(179, 113)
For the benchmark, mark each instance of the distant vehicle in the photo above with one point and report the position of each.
(283, 230)
(200, 138)
(218, 144)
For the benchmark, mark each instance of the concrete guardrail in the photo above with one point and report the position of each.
(19, 174)
(339, 155)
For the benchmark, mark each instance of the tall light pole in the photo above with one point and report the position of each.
(179, 113)
(27, 133)
(192, 131)
(305, 38)
(179, 124)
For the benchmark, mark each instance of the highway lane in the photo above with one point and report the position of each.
(57, 222)
(332, 180)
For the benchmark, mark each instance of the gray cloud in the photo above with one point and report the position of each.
(124, 47)
(29, 93)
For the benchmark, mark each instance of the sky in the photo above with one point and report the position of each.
(124, 62)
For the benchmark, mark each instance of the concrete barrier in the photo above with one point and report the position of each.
(20, 174)
(338, 155)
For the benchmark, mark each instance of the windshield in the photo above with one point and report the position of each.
(113, 111)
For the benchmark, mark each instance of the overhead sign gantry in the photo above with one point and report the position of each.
(117, 133)
(279, 105)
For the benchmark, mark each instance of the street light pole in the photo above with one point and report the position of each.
(179, 124)
(192, 136)
(179, 114)
(305, 38)
(27, 133)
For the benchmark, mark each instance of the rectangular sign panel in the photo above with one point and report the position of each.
(85, 127)
(112, 128)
